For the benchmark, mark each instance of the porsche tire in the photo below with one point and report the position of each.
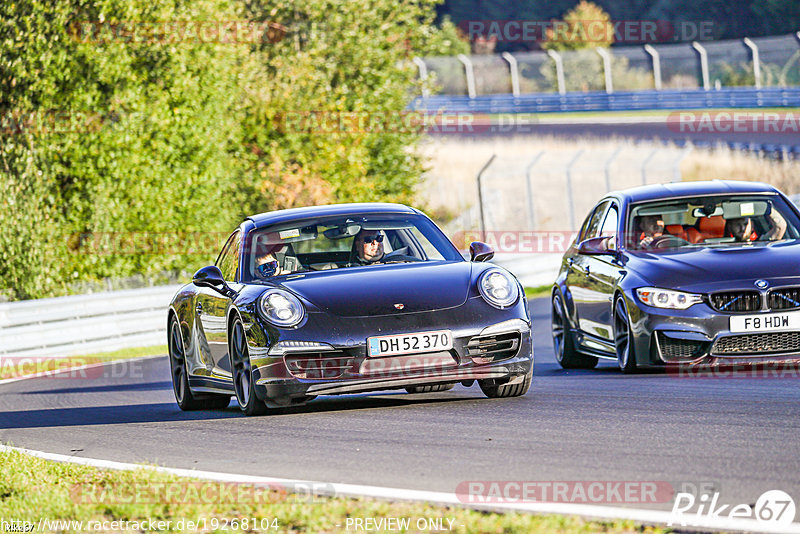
(242, 372)
(501, 391)
(430, 389)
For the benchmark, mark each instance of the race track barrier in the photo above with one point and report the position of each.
(85, 324)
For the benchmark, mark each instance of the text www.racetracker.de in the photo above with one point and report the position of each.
(149, 525)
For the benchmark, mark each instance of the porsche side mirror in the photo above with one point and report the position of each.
(480, 251)
(211, 277)
(597, 246)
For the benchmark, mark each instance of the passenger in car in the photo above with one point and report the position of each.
(741, 229)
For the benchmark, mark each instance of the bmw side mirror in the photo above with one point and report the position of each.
(596, 246)
(480, 251)
(211, 277)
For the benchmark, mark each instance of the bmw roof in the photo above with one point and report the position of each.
(288, 215)
(687, 189)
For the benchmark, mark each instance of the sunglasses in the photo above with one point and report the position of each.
(377, 238)
(267, 269)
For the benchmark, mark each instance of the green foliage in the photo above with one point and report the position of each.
(106, 137)
(580, 29)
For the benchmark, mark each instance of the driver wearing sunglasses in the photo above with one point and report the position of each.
(266, 263)
(368, 245)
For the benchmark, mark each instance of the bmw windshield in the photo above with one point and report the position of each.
(710, 221)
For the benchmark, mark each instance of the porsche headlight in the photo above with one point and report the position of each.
(667, 298)
(498, 288)
(280, 308)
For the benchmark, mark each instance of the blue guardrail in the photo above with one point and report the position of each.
(734, 97)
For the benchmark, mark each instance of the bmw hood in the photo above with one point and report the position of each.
(385, 289)
(714, 269)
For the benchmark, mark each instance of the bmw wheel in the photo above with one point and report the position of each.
(623, 338)
(243, 384)
(566, 355)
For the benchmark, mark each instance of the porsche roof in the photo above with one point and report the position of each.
(288, 215)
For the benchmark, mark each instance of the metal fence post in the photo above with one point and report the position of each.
(559, 70)
(606, 69)
(469, 73)
(644, 165)
(529, 188)
(656, 59)
(607, 169)
(480, 194)
(756, 62)
(676, 167)
(513, 69)
(423, 75)
(701, 52)
(570, 199)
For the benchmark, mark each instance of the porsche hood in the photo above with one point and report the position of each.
(385, 289)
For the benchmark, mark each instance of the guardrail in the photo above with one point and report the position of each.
(85, 324)
(735, 97)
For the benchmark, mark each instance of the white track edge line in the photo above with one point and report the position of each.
(42, 374)
(450, 499)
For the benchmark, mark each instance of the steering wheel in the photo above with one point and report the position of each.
(668, 241)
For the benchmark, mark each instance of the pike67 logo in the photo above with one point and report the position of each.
(773, 506)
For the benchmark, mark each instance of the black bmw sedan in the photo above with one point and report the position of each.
(345, 299)
(681, 274)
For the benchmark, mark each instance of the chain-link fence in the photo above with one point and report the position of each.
(762, 61)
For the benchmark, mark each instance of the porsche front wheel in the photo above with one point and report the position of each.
(242, 372)
(515, 389)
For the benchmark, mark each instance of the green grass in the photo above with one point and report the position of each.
(32, 489)
(27, 366)
(538, 292)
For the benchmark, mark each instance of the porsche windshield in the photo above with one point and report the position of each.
(344, 242)
(720, 220)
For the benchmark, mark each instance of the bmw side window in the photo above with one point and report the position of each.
(610, 223)
(592, 229)
(228, 260)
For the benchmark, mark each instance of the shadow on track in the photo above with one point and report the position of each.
(169, 412)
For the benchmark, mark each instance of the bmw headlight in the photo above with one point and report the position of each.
(280, 308)
(667, 298)
(498, 288)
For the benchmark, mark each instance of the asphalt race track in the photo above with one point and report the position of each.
(739, 435)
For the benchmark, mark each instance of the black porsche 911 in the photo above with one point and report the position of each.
(345, 299)
(681, 275)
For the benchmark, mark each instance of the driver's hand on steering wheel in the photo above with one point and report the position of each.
(646, 241)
